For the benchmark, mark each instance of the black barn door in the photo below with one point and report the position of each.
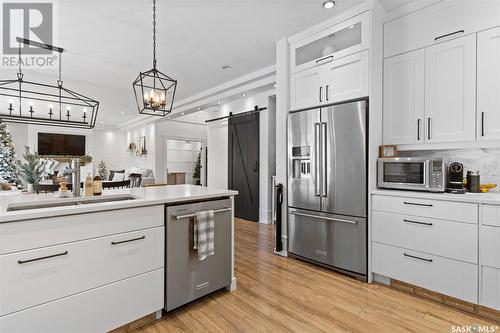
(244, 165)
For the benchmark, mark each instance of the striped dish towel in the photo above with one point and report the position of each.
(203, 234)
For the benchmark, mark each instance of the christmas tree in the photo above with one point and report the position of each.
(102, 170)
(7, 156)
(197, 171)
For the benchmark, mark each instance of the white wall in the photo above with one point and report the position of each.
(218, 148)
(110, 146)
(174, 130)
(133, 135)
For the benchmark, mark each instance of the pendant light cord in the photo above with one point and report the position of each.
(60, 67)
(154, 34)
(19, 61)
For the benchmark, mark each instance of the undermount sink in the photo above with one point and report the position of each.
(13, 207)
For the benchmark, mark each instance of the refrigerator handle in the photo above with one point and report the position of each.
(323, 160)
(316, 159)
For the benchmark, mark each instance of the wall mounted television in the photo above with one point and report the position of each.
(61, 144)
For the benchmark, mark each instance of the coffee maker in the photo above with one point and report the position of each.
(455, 183)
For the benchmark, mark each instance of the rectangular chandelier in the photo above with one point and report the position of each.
(39, 103)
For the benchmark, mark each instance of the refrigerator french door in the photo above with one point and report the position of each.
(327, 186)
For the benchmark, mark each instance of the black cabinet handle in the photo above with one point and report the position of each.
(482, 123)
(419, 258)
(450, 34)
(20, 262)
(418, 129)
(327, 86)
(417, 204)
(321, 94)
(128, 240)
(330, 57)
(429, 128)
(416, 222)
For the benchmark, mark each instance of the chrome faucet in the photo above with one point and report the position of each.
(75, 176)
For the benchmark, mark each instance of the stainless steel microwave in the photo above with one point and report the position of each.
(411, 173)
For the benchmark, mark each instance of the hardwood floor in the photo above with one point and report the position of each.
(277, 294)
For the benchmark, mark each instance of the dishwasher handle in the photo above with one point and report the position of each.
(180, 217)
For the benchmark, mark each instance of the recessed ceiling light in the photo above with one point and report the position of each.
(275, 85)
(226, 67)
(199, 108)
(182, 113)
(219, 102)
(329, 4)
(243, 95)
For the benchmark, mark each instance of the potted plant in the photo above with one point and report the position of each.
(32, 170)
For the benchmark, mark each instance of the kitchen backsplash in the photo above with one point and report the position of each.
(486, 160)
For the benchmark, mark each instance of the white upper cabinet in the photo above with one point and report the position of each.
(306, 89)
(347, 37)
(450, 90)
(404, 98)
(347, 78)
(340, 80)
(437, 23)
(488, 85)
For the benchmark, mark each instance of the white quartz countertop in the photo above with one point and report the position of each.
(492, 198)
(144, 196)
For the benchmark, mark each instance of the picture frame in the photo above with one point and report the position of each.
(388, 151)
(142, 150)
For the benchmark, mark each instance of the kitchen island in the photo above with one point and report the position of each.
(95, 264)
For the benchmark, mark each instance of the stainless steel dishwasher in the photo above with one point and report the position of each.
(187, 277)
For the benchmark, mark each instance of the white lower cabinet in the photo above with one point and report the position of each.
(490, 289)
(440, 237)
(447, 276)
(97, 310)
(82, 273)
(432, 244)
(490, 256)
(38, 276)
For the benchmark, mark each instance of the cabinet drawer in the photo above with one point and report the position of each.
(490, 215)
(38, 276)
(490, 291)
(439, 237)
(421, 28)
(445, 210)
(31, 234)
(447, 276)
(490, 246)
(97, 310)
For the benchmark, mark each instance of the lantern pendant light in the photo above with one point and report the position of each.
(154, 91)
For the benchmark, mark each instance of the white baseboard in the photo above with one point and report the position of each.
(265, 216)
(381, 279)
(232, 287)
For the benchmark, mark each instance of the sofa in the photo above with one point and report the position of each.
(147, 175)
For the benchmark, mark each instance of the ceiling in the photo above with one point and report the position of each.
(109, 42)
(390, 5)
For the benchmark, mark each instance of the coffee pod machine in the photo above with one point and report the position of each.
(455, 183)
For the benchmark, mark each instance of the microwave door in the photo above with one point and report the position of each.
(405, 174)
(344, 187)
(303, 160)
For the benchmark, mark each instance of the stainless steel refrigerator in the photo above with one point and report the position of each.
(327, 186)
